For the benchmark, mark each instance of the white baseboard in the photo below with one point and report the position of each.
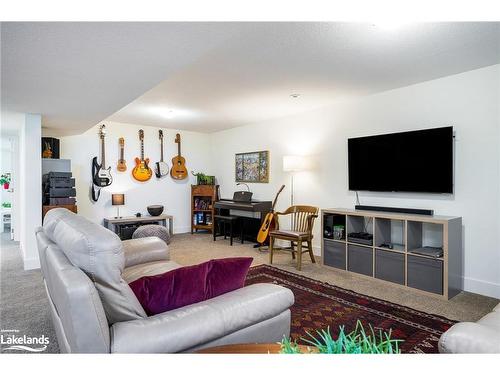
(486, 288)
(31, 264)
(181, 230)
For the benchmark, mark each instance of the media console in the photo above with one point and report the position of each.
(405, 249)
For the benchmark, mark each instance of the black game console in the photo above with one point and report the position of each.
(363, 238)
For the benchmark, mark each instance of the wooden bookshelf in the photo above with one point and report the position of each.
(203, 198)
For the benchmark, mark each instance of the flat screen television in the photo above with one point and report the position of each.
(416, 161)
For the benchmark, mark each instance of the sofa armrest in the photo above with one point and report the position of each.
(144, 250)
(470, 338)
(193, 325)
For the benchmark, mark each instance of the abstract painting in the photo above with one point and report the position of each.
(252, 166)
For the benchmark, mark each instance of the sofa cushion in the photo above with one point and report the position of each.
(189, 326)
(188, 285)
(99, 253)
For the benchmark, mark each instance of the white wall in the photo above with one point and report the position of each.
(174, 195)
(468, 101)
(30, 188)
(11, 124)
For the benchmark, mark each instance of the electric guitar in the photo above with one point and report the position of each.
(178, 170)
(101, 176)
(122, 166)
(141, 171)
(269, 222)
(161, 168)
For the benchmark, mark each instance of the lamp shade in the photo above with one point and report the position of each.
(117, 199)
(294, 163)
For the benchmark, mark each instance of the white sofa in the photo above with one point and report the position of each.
(467, 337)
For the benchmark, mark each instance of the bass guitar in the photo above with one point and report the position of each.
(101, 176)
(161, 168)
(269, 222)
(178, 170)
(141, 171)
(121, 166)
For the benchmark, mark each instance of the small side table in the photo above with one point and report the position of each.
(117, 224)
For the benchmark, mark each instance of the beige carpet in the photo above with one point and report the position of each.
(187, 249)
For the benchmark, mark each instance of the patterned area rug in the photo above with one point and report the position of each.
(318, 305)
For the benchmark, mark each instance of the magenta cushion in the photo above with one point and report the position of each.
(187, 285)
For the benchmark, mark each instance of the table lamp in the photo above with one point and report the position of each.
(118, 200)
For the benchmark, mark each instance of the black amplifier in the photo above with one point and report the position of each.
(61, 182)
(61, 192)
(57, 201)
(57, 174)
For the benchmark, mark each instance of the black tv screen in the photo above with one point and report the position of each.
(415, 161)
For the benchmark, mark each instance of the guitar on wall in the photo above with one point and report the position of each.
(178, 170)
(161, 168)
(101, 176)
(269, 222)
(121, 166)
(141, 171)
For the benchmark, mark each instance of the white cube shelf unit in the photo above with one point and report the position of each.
(441, 276)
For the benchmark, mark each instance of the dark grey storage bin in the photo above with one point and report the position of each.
(334, 253)
(425, 274)
(390, 266)
(360, 259)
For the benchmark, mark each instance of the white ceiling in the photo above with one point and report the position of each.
(213, 76)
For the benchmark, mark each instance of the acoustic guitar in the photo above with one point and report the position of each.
(178, 170)
(269, 222)
(101, 176)
(141, 171)
(121, 166)
(161, 168)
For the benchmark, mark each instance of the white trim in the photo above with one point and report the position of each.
(483, 287)
(181, 230)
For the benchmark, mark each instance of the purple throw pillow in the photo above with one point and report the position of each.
(187, 285)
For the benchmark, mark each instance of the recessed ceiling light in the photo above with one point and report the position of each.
(295, 96)
(166, 113)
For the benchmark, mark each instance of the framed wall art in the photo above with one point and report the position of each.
(252, 167)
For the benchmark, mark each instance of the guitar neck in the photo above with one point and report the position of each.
(142, 150)
(103, 154)
(121, 153)
(179, 149)
(161, 151)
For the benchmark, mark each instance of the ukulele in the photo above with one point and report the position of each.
(178, 170)
(269, 222)
(141, 171)
(101, 176)
(161, 168)
(122, 166)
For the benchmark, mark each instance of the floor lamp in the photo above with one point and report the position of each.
(293, 164)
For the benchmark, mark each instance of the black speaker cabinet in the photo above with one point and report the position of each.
(50, 146)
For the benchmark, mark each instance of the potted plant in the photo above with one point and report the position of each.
(203, 179)
(355, 342)
(5, 180)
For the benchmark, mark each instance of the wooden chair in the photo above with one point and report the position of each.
(302, 222)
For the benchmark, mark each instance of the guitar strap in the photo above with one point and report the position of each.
(95, 192)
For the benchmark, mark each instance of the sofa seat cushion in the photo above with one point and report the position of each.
(189, 326)
(187, 285)
(133, 273)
